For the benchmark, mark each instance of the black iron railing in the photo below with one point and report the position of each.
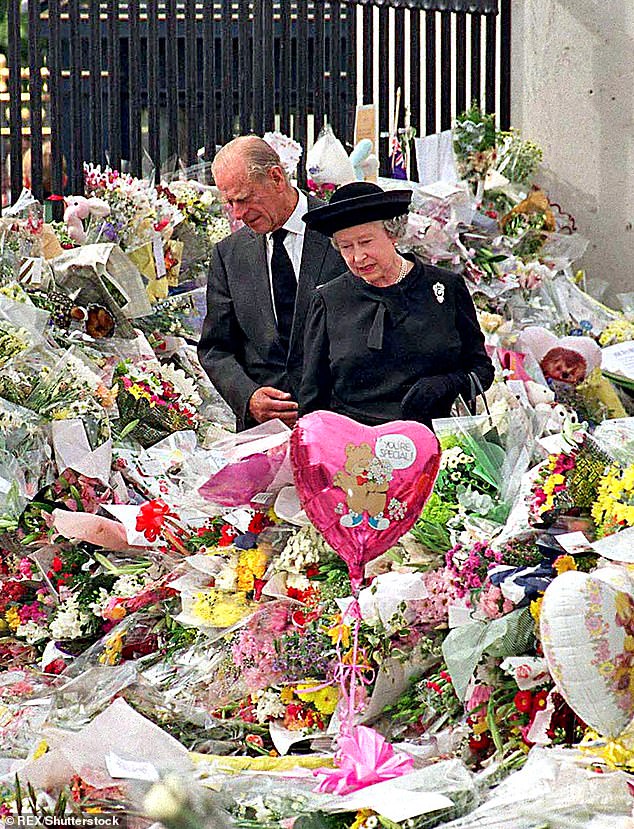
(144, 83)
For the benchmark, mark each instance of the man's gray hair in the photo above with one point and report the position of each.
(257, 156)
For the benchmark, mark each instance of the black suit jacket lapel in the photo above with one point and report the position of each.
(252, 290)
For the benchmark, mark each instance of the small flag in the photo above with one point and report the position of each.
(397, 160)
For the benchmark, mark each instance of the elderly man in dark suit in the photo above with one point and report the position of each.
(260, 282)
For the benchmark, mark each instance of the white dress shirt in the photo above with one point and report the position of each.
(294, 240)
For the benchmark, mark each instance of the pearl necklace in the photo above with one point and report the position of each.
(402, 272)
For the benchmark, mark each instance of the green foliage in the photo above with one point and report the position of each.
(4, 31)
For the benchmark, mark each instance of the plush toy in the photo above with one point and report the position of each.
(364, 163)
(563, 360)
(79, 208)
(538, 394)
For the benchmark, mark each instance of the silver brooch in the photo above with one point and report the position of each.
(439, 291)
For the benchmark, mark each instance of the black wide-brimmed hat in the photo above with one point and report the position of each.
(355, 204)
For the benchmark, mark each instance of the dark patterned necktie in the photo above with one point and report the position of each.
(284, 286)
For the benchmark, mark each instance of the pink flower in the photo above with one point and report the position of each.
(25, 568)
(478, 697)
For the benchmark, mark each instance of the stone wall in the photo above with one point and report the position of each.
(573, 93)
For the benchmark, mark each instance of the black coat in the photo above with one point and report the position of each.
(381, 354)
(239, 347)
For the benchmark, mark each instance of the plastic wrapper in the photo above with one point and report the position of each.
(327, 161)
(212, 408)
(616, 438)
(103, 275)
(576, 305)
(24, 703)
(463, 648)
(500, 462)
(230, 663)
(555, 789)
(25, 315)
(256, 462)
(118, 731)
(179, 315)
(25, 438)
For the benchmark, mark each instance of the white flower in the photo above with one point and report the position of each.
(70, 620)
(288, 150)
(297, 582)
(128, 585)
(32, 632)
(269, 706)
(218, 228)
(183, 384)
(302, 549)
(101, 600)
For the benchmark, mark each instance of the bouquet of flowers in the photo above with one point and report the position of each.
(154, 401)
(191, 240)
(475, 146)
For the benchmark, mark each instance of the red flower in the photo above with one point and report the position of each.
(258, 586)
(227, 534)
(312, 571)
(479, 743)
(257, 523)
(57, 564)
(523, 701)
(151, 518)
(254, 740)
(539, 701)
(55, 667)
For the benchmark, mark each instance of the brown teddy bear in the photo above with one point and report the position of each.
(564, 365)
(365, 481)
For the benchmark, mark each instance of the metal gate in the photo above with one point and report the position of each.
(139, 84)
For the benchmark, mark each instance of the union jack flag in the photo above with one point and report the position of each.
(397, 159)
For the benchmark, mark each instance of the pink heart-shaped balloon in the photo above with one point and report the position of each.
(363, 487)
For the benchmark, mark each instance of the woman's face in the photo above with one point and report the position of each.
(368, 251)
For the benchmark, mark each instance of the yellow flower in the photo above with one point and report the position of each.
(564, 563)
(360, 818)
(536, 608)
(112, 649)
(552, 482)
(220, 610)
(271, 515)
(40, 751)
(324, 699)
(616, 754)
(12, 618)
(286, 694)
(339, 632)
(138, 392)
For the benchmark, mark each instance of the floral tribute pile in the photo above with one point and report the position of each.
(173, 653)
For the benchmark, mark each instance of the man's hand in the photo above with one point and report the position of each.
(267, 403)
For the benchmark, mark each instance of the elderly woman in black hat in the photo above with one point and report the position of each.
(390, 338)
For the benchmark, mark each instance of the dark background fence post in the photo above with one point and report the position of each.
(178, 75)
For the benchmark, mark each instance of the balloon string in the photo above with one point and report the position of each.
(347, 675)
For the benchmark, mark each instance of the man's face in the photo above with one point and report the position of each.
(261, 202)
